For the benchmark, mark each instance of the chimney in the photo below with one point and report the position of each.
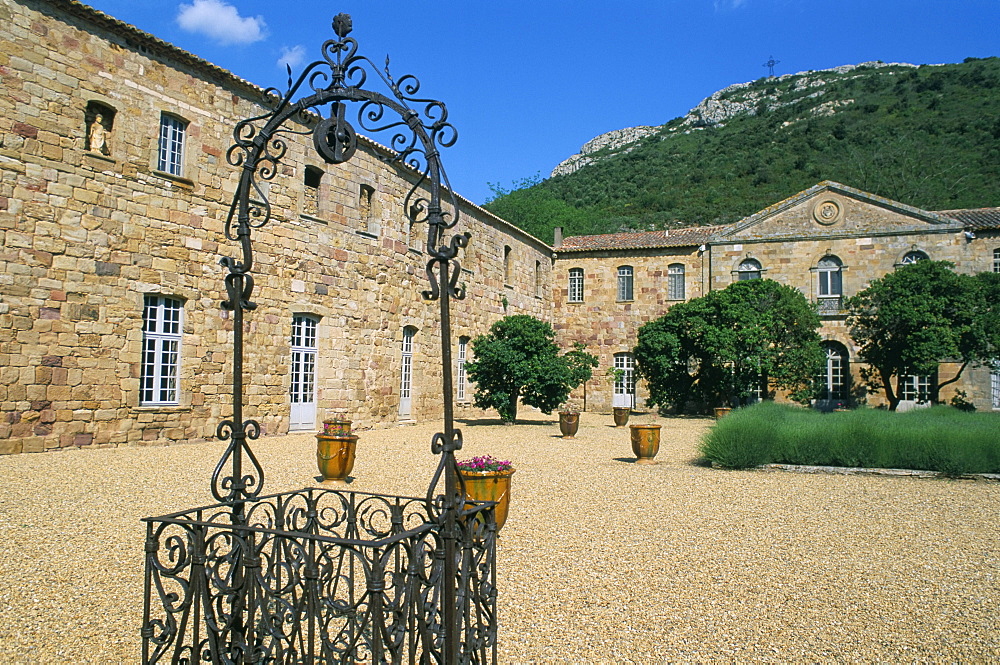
(557, 240)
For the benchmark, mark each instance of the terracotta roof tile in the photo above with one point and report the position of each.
(642, 240)
(976, 218)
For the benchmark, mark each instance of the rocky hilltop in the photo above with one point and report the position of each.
(719, 107)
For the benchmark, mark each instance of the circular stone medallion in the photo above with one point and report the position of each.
(827, 211)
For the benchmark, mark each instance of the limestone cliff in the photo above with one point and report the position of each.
(715, 110)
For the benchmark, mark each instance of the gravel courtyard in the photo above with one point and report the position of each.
(601, 560)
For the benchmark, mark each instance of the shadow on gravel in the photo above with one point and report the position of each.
(495, 422)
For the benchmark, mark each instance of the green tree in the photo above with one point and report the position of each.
(723, 347)
(519, 359)
(907, 322)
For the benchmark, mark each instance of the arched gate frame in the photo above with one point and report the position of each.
(321, 575)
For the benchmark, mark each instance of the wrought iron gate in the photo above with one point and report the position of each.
(319, 575)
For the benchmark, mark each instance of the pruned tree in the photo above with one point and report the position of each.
(909, 321)
(755, 335)
(519, 360)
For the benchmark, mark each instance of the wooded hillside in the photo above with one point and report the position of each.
(928, 136)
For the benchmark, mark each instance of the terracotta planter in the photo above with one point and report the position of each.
(721, 411)
(645, 442)
(335, 457)
(621, 414)
(337, 427)
(490, 486)
(569, 424)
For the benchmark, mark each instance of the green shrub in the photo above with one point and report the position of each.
(940, 439)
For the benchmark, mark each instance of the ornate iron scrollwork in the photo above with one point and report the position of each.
(201, 567)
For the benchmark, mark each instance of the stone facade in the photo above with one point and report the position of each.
(100, 223)
(93, 222)
(868, 235)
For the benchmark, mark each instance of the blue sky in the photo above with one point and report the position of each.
(527, 83)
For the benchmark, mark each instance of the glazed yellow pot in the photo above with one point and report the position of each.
(645, 442)
(489, 486)
(335, 457)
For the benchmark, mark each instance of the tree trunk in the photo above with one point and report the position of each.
(890, 393)
(512, 409)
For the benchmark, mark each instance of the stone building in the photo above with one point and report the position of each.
(114, 189)
(829, 241)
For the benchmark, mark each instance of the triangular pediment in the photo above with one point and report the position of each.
(833, 210)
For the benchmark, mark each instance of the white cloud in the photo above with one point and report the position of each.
(728, 4)
(292, 56)
(221, 22)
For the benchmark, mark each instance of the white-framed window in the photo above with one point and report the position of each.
(304, 349)
(171, 159)
(914, 388)
(748, 269)
(995, 384)
(406, 373)
(834, 382)
(161, 350)
(624, 390)
(463, 350)
(576, 284)
(675, 281)
(831, 277)
(996, 260)
(913, 257)
(624, 282)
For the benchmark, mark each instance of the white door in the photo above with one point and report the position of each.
(624, 393)
(303, 388)
(914, 392)
(406, 378)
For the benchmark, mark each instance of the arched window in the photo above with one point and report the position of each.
(624, 282)
(576, 284)
(835, 380)
(675, 281)
(913, 257)
(162, 327)
(831, 283)
(749, 269)
(538, 279)
(506, 264)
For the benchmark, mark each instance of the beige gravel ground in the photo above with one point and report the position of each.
(601, 560)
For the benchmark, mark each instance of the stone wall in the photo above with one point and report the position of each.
(92, 226)
(607, 325)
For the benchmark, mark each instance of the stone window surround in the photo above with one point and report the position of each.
(159, 338)
(575, 285)
(912, 255)
(676, 286)
(171, 150)
(626, 284)
(737, 271)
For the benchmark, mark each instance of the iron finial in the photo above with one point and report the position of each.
(342, 25)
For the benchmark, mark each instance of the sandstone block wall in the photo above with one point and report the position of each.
(88, 232)
(607, 325)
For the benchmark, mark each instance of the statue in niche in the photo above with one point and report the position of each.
(97, 134)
